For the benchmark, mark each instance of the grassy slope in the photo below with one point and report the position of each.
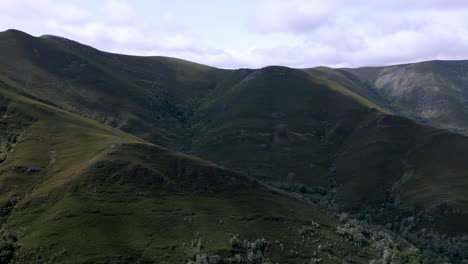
(151, 97)
(284, 126)
(98, 194)
(432, 91)
(350, 83)
(274, 124)
(277, 124)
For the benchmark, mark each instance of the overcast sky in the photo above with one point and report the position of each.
(249, 33)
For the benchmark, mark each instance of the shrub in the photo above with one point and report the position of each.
(8, 246)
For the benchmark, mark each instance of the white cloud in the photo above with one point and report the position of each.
(118, 11)
(357, 33)
(295, 16)
(34, 9)
(297, 33)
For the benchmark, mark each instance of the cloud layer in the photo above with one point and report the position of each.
(297, 33)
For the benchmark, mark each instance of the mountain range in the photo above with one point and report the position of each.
(116, 158)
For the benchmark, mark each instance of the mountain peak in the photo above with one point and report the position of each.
(16, 33)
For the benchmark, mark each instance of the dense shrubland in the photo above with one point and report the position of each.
(418, 246)
(8, 246)
(389, 228)
(240, 252)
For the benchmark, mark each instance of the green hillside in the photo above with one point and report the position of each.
(76, 191)
(284, 126)
(274, 124)
(291, 130)
(432, 91)
(151, 97)
(89, 171)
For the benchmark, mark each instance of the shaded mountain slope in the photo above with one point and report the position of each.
(151, 97)
(290, 129)
(431, 91)
(320, 131)
(274, 123)
(73, 190)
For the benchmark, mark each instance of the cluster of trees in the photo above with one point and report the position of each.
(390, 228)
(393, 249)
(8, 246)
(241, 252)
(8, 143)
(324, 197)
(403, 246)
(439, 248)
(402, 222)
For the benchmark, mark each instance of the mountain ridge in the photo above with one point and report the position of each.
(75, 190)
(192, 108)
(292, 138)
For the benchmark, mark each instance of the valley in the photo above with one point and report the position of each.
(109, 158)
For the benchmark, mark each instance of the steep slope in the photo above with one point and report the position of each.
(318, 132)
(433, 91)
(300, 133)
(275, 124)
(76, 191)
(151, 97)
(351, 82)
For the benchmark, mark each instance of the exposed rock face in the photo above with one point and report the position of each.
(434, 91)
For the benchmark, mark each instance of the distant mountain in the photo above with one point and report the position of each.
(433, 91)
(286, 140)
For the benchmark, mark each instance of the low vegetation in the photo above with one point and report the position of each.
(295, 167)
